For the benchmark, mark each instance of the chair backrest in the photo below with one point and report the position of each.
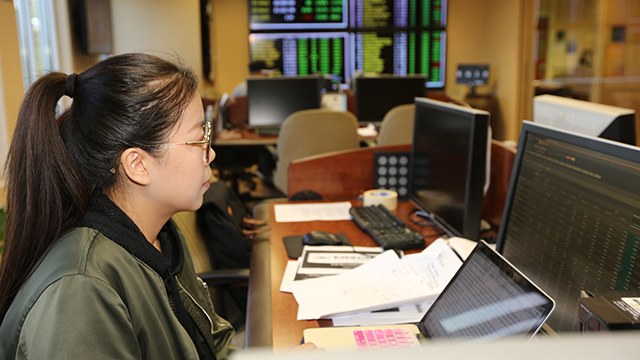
(187, 223)
(502, 158)
(311, 132)
(397, 126)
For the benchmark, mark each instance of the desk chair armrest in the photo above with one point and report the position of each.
(225, 277)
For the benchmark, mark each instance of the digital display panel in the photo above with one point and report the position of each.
(396, 37)
(294, 54)
(401, 53)
(371, 14)
(297, 14)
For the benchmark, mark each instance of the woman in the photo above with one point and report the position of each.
(92, 266)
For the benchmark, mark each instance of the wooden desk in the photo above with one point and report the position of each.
(271, 315)
(243, 137)
(286, 330)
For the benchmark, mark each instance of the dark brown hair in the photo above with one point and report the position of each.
(130, 100)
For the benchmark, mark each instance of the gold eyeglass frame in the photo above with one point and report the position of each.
(205, 141)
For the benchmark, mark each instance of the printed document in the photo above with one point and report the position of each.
(317, 261)
(383, 282)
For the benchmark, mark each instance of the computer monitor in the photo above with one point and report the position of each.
(571, 219)
(376, 95)
(449, 165)
(608, 122)
(271, 99)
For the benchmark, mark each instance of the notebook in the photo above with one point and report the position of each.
(487, 299)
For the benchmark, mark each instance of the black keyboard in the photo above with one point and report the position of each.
(386, 228)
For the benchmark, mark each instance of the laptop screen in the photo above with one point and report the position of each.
(487, 299)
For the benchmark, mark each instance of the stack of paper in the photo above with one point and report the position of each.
(381, 283)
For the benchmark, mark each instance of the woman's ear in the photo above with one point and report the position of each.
(134, 163)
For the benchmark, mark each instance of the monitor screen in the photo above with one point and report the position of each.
(304, 53)
(340, 37)
(376, 95)
(608, 122)
(297, 15)
(271, 99)
(449, 164)
(571, 218)
(400, 53)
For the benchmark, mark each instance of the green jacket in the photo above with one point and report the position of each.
(91, 299)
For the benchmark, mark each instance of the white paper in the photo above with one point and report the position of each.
(411, 313)
(383, 282)
(332, 260)
(369, 130)
(289, 275)
(312, 212)
(438, 262)
(294, 267)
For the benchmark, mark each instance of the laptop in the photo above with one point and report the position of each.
(487, 299)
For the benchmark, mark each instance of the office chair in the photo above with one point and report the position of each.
(397, 126)
(312, 132)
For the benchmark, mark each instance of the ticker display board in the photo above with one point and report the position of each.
(341, 38)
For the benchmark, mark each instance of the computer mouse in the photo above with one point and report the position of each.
(321, 238)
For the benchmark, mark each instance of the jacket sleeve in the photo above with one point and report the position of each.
(63, 323)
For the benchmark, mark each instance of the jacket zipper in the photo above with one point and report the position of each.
(198, 305)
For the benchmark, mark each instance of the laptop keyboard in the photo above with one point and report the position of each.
(383, 339)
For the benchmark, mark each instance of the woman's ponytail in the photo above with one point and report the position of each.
(48, 192)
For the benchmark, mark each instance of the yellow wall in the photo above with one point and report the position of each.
(168, 28)
(489, 32)
(502, 41)
(12, 87)
(230, 28)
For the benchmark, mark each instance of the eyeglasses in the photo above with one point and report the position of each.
(206, 142)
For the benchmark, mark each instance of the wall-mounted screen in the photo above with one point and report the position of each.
(303, 53)
(401, 53)
(399, 37)
(297, 15)
(369, 14)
